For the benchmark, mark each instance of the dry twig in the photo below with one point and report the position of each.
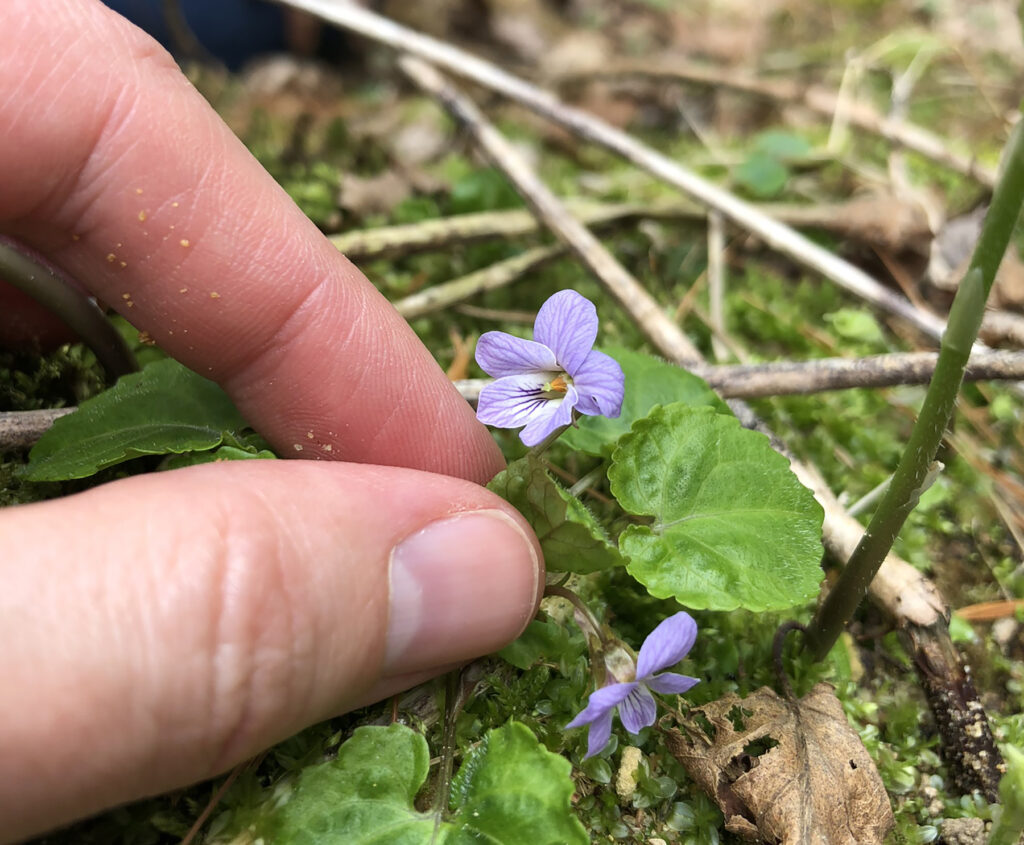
(492, 277)
(792, 378)
(883, 222)
(20, 429)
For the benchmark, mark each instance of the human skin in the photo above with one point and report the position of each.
(160, 629)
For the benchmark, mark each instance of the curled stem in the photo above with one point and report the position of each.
(911, 474)
(30, 273)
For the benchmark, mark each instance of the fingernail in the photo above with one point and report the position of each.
(462, 587)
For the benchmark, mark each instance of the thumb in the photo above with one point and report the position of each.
(175, 624)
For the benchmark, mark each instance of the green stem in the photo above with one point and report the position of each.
(22, 269)
(907, 482)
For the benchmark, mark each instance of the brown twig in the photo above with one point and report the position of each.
(880, 221)
(20, 429)
(492, 277)
(792, 378)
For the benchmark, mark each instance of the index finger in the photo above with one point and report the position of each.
(114, 167)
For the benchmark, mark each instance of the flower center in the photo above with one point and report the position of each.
(557, 387)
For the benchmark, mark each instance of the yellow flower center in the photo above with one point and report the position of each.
(557, 387)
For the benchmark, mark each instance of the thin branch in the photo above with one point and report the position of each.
(20, 429)
(802, 378)
(815, 98)
(776, 235)
(879, 221)
(499, 274)
(751, 381)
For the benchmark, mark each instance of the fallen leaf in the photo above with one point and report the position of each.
(459, 367)
(785, 771)
(373, 194)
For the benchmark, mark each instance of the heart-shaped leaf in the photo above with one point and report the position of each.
(510, 790)
(732, 526)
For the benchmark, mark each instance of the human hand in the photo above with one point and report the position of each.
(158, 630)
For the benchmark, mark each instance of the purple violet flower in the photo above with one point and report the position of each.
(665, 646)
(541, 381)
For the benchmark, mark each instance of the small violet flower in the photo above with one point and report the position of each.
(665, 646)
(541, 381)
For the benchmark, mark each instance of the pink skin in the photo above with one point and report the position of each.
(161, 629)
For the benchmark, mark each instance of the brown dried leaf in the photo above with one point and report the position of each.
(786, 771)
(374, 194)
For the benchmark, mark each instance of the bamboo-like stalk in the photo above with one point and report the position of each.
(904, 490)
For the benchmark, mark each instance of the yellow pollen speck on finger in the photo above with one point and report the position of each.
(111, 257)
(184, 242)
(138, 190)
(124, 263)
(183, 290)
(142, 216)
(174, 205)
(328, 448)
(298, 447)
(126, 296)
(214, 295)
(309, 434)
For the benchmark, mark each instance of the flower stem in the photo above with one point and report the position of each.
(907, 482)
(587, 481)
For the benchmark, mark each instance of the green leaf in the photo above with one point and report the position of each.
(649, 382)
(224, 453)
(570, 536)
(542, 638)
(364, 795)
(510, 790)
(165, 409)
(763, 175)
(855, 324)
(782, 146)
(732, 526)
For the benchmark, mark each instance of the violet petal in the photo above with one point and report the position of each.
(638, 710)
(500, 354)
(552, 415)
(601, 385)
(666, 645)
(670, 683)
(513, 401)
(567, 325)
(599, 734)
(602, 701)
